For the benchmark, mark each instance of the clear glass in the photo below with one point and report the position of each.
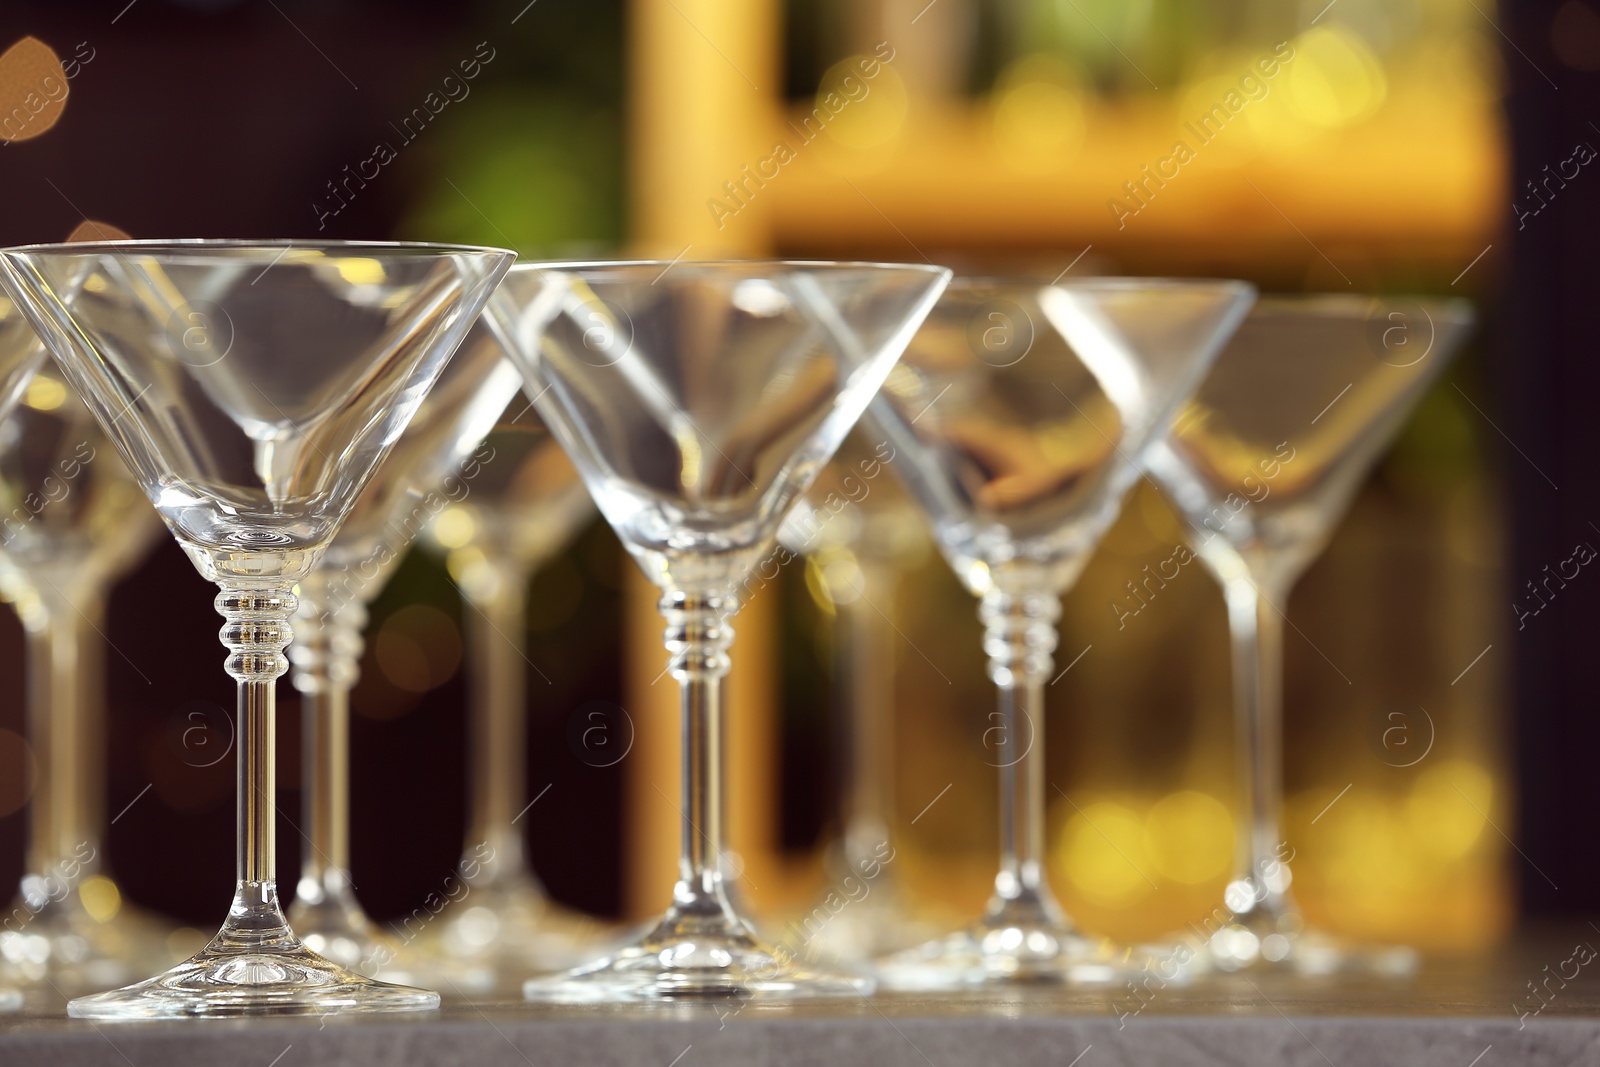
(20, 354)
(858, 530)
(526, 503)
(1262, 462)
(73, 523)
(252, 389)
(698, 402)
(1018, 416)
(436, 460)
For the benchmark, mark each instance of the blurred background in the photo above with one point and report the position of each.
(1387, 153)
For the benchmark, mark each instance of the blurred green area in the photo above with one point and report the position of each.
(533, 159)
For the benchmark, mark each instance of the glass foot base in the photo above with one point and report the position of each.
(1238, 947)
(495, 936)
(338, 930)
(293, 981)
(686, 959)
(994, 954)
(856, 933)
(66, 947)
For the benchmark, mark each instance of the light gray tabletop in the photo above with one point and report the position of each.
(1456, 1013)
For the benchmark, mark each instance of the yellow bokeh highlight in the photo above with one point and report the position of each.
(1101, 851)
(1369, 858)
(44, 394)
(1445, 809)
(1334, 80)
(1189, 837)
(817, 585)
(876, 108)
(1235, 141)
(454, 527)
(100, 898)
(465, 562)
(360, 270)
(1037, 112)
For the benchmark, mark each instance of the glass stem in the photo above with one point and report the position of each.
(256, 631)
(87, 827)
(1256, 630)
(867, 670)
(1019, 637)
(327, 661)
(327, 786)
(257, 783)
(1021, 791)
(61, 849)
(495, 625)
(697, 639)
(46, 735)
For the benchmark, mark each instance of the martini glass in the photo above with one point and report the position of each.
(1262, 462)
(698, 402)
(523, 508)
(858, 528)
(74, 521)
(20, 356)
(252, 389)
(1018, 414)
(432, 463)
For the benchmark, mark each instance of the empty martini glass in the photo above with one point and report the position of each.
(72, 521)
(1263, 461)
(252, 388)
(698, 402)
(433, 463)
(1018, 414)
(20, 356)
(524, 505)
(858, 529)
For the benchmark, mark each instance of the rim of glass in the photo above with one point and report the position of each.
(573, 266)
(187, 245)
(1331, 304)
(1106, 281)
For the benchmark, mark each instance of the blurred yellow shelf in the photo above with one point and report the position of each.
(1420, 183)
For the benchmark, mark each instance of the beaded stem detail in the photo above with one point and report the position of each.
(256, 631)
(698, 634)
(1019, 635)
(328, 645)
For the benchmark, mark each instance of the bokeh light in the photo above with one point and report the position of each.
(1189, 837)
(1334, 80)
(418, 648)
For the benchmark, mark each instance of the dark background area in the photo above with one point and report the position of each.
(1545, 377)
(203, 119)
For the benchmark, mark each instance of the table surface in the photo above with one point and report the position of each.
(1463, 1012)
